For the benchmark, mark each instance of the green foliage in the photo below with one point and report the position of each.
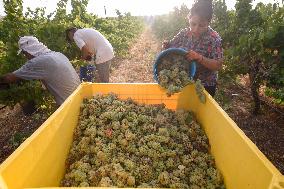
(277, 94)
(120, 31)
(18, 138)
(258, 51)
(166, 26)
(23, 91)
(50, 29)
(222, 22)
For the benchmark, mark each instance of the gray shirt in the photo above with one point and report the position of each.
(55, 71)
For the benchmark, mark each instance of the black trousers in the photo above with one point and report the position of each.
(211, 90)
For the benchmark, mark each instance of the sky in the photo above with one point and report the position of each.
(135, 7)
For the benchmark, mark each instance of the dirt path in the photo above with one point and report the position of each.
(138, 66)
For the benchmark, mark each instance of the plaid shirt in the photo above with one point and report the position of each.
(209, 45)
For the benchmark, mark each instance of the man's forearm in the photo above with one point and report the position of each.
(86, 53)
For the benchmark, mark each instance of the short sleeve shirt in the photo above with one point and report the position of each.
(55, 71)
(96, 42)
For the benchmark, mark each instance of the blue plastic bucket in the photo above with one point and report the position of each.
(170, 52)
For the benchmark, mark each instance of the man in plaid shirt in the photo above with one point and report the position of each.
(204, 45)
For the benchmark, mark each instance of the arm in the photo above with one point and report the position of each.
(30, 70)
(86, 53)
(215, 62)
(211, 64)
(33, 69)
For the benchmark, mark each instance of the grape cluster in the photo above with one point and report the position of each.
(199, 91)
(173, 76)
(121, 143)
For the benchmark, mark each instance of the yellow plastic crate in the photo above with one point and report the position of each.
(40, 160)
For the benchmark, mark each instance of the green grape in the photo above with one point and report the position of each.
(145, 146)
(130, 181)
(164, 178)
(105, 182)
(173, 75)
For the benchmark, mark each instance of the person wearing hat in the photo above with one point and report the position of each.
(96, 49)
(52, 68)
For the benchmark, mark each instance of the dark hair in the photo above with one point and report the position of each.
(73, 29)
(203, 9)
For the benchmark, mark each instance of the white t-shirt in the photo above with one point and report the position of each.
(96, 42)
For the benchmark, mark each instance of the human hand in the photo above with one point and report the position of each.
(88, 58)
(192, 55)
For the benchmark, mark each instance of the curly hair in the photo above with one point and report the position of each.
(203, 9)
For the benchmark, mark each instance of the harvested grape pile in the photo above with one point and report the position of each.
(173, 73)
(125, 144)
(173, 76)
